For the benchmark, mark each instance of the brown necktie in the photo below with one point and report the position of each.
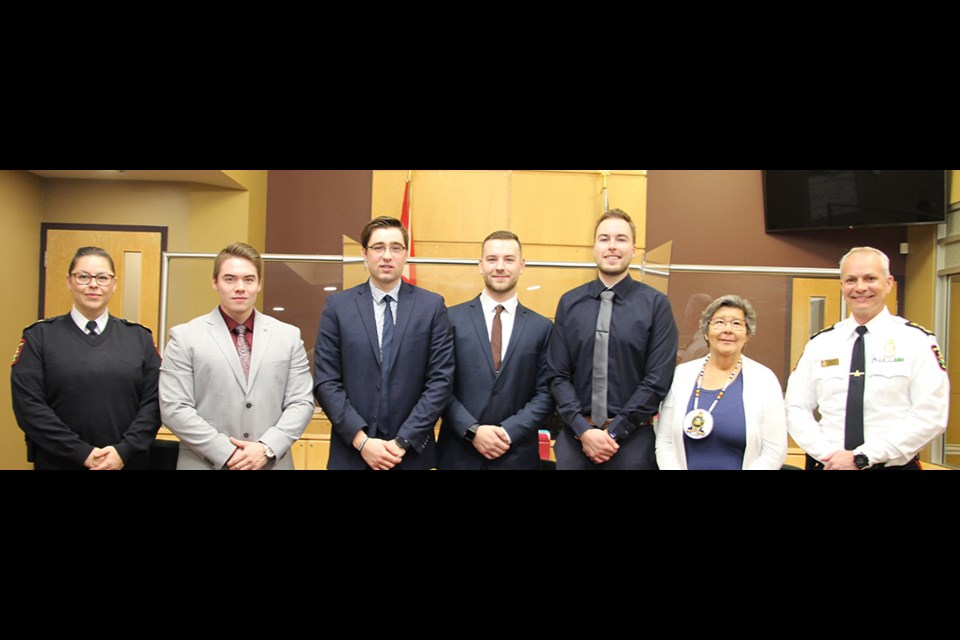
(496, 338)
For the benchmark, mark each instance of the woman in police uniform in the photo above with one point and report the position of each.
(84, 384)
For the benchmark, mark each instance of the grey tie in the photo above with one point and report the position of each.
(601, 353)
(243, 349)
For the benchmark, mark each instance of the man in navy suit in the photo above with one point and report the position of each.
(500, 383)
(383, 361)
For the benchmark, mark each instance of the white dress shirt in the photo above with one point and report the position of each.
(507, 317)
(82, 321)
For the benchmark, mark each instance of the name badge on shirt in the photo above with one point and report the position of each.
(830, 363)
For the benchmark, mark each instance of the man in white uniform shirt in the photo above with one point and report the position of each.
(882, 400)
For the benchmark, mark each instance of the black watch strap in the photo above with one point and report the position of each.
(471, 433)
(402, 443)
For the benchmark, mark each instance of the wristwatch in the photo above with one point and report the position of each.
(402, 443)
(471, 433)
(271, 456)
(861, 460)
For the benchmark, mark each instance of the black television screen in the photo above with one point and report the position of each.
(801, 200)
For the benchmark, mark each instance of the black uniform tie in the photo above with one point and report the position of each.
(853, 426)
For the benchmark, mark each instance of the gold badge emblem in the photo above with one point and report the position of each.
(890, 349)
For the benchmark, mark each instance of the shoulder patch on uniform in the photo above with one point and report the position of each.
(16, 356)
(25, 329)
(135, 324)
(795, 364)
(824, 330)
(924, 329)
(938, 356)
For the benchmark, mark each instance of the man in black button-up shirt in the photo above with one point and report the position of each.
(642, 355)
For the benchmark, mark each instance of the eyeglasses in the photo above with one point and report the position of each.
(737, 326)
(82, 277)
(378, 249)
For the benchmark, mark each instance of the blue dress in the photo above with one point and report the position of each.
(723, 448)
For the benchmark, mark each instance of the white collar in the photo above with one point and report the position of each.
(489, 304)
(873, 326)
(378, 294)
(81, 320)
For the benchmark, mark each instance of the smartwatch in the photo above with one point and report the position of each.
(861, 461)
(471, 433)
(402, 443)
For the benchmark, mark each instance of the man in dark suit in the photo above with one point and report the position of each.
(611, 359)
(500, 382)
(383, 361)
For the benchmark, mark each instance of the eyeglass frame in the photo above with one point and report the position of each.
(76, 275)
(379, 249)
(720, 324)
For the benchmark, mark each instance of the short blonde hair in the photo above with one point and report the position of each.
(884, 260)
(616, 214)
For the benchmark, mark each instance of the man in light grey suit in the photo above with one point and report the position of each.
(235, 385)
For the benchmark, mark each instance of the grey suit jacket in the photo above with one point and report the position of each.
(205, 400)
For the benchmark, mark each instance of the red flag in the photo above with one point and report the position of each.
(409, 271)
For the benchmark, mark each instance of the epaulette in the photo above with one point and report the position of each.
(25, 329)
(924, 329)
(824, 330)
(135, 324)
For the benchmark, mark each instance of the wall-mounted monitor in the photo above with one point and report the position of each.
(808, 200)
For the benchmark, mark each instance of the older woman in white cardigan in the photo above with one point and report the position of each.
(723, 411)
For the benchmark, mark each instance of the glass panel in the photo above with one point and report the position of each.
(818, 307)
(656, 267)
(189, 290)
(295, 293)
(770, 295)
(951, 440)
(131, 285)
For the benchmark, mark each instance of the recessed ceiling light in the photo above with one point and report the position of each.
(329, 288)
(279, 309)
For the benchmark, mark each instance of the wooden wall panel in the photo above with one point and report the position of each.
(553, 212)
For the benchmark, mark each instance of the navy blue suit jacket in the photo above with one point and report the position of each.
(518, 399)
(347, 373)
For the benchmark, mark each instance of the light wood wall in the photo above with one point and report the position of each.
(21, 204)
(553, 213)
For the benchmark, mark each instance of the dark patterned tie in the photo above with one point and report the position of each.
(386, 362)
(243, 349)
(92, 328)
(496, 339)
(853, 422)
